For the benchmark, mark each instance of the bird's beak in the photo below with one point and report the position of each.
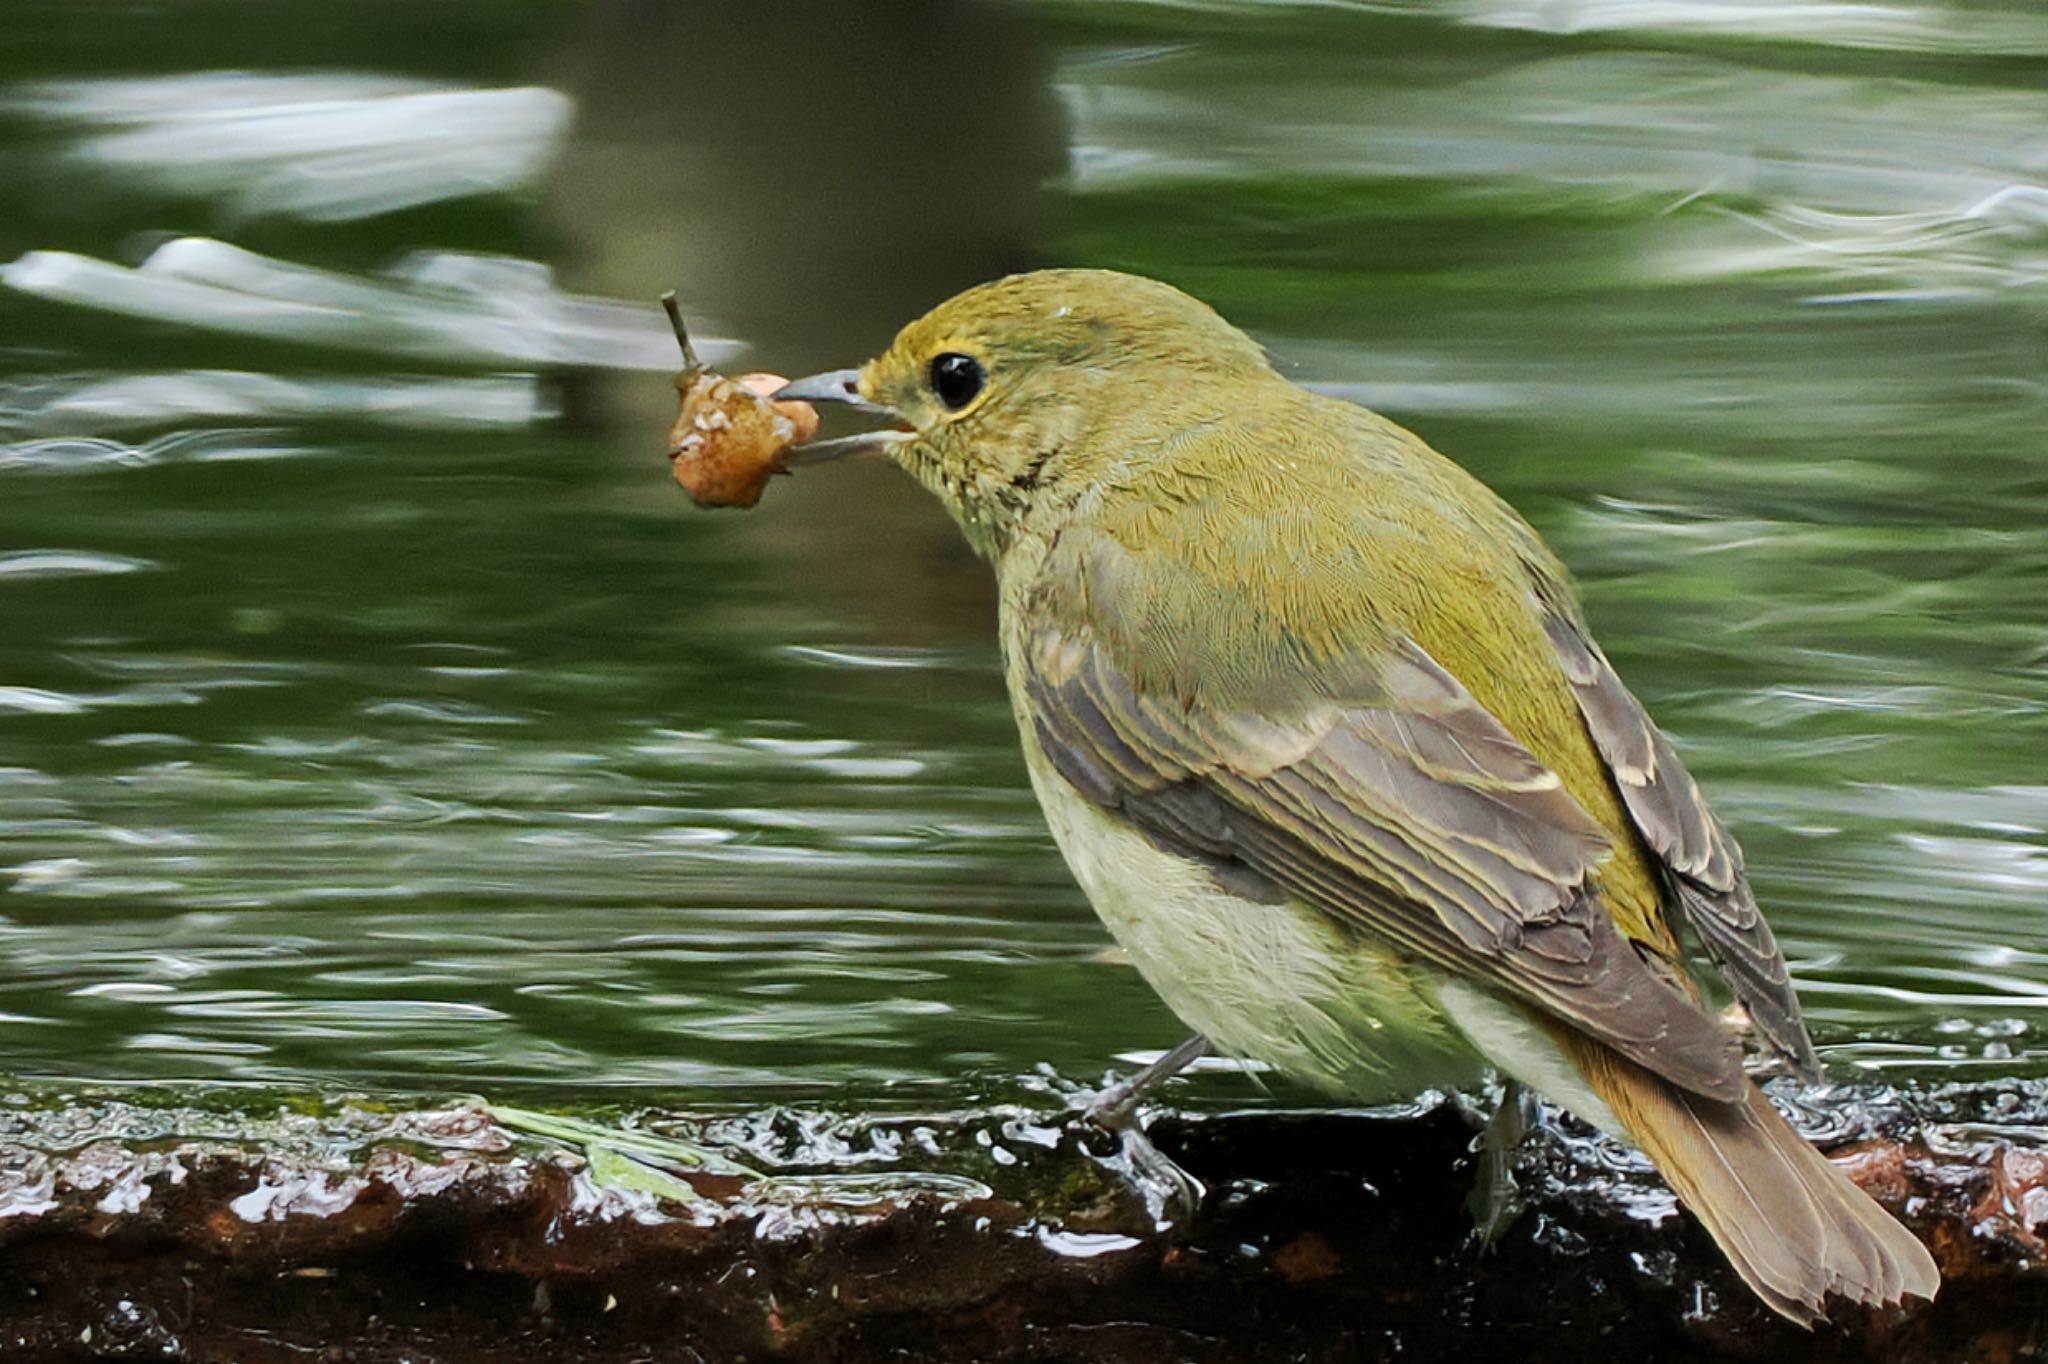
(841, 386)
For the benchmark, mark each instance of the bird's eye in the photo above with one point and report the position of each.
(956, 378)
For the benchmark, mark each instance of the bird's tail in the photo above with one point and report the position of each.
(1794, 1227)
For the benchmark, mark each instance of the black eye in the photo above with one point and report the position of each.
(956, 378)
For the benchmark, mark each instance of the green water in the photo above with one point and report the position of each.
(343, 746)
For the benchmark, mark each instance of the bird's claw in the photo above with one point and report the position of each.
(1170, 1195)
(1495, 1199)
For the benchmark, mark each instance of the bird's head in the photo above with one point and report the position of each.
(1015, 397)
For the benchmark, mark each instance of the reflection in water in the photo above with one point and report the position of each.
(393, 890)
(1670, 123)
(92, 454)
(51, 563)
(446, 306)
(1974, 253)
(1901, 27)
(88, 405)
(329, 147)
(454, 747)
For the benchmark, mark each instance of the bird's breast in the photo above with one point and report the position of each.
(1273, 982)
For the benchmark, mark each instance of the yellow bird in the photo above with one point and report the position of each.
(1319, 727)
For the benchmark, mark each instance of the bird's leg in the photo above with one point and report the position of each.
(1170, 1194)
(1493, 1200)
(1116, 1105)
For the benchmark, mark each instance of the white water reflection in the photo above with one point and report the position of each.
(332, 146)
(26, 565)
(1669, 386)
(1883, 25)
(47, 701)
(1987, 248)
(1670, 123)
(94, 454)
(452, 307)
(302, 922)
(1893, 27)
(98, 403)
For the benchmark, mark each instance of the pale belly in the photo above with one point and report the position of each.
(1276, 983)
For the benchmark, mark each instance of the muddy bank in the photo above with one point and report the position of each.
(272, 1230)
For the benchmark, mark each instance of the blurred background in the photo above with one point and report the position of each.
(374, 712)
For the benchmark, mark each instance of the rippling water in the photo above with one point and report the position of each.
(373, 712)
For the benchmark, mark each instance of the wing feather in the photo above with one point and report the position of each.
(1411, 816)
(1701, 860)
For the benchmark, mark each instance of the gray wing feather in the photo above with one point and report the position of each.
(1702, 861)
(1417, 820)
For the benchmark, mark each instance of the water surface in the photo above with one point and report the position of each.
(373, 711)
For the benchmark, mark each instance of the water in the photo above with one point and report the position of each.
(374, 713)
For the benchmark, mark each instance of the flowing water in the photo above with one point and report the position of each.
(373, 711)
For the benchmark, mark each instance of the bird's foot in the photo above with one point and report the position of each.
(1170, 1194)
(1495, 1201)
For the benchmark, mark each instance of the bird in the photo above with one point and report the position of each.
(1318, 724)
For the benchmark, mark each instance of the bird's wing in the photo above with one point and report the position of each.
(1701, 861)
(1403, 810)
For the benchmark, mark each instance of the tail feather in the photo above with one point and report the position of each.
(1795, 1228)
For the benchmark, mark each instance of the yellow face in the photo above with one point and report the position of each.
(1003, 388)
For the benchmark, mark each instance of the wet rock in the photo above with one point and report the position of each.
(365, 1231)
